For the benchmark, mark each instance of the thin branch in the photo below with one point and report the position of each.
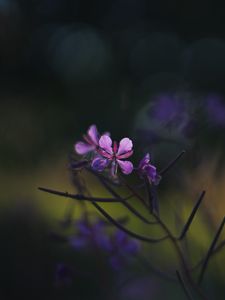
(181, 257)
(79, 196)
(121, 220)
(123, 202)
(78, 165)
(146, 263)
(191, 217)
(172, 163)
(152, 196)
(131, 233)
(185, 289)
(210, 251)
(134, 192)
(219, 247)
(215, 251)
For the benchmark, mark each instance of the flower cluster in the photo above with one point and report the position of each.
(103, 153)
(118, 246)
(89, 235)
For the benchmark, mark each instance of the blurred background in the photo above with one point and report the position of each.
(153, 71)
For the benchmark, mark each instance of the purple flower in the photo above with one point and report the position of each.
(216, 110)
(91, 141)
(167, 109)
(124, 244)
(90, 235)
(110, 153)
(145, 168)
(123, 248)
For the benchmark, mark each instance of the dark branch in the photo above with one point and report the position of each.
(215, 251)
(129, 232)
(126, 204)
(152, 196)
(134, 192)
(172, 163)
(210, 251)
(191, 217)
(185, 289)
(146, 263)
(79, 196)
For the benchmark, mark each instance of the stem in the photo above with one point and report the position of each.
(172, 163)
(181, 258)
(134, 192)
(80, 196)
(123, 202)
(185, 289)
(174, 242)
(191, 217)
(215, 251)
(210, 251)
(131, 233)
(163, 275)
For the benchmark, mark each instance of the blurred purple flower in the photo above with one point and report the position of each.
(215, 108)
(90, 234)
(114, 155)
(167, 108)
(124, 244)
(91, 141)
(123, 248)
(145, 168)
(118, 247)
(63, 275)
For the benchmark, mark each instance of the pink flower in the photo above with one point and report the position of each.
(145, 168)
(110, 153)
(90, 143)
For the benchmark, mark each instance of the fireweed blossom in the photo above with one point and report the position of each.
(90, 234)
(215, 107)
(122, 249)
(145, 168)
(90, 143)
(118, 247)
(111, 154)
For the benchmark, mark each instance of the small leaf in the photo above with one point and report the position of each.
(152, 196)
(210, 251)
(191, 217)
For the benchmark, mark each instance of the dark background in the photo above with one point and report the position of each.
(66, 64)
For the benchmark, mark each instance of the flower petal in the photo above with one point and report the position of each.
(83, 228)
(83, 148)
(99, 163)
(78, 242)
(125, 145)
(106, 133)
(126, 166)
(132, 247)
(105, 143)
(125, 155)
(145, 160)
(103, 241)
(93, 134)
(151, 172)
